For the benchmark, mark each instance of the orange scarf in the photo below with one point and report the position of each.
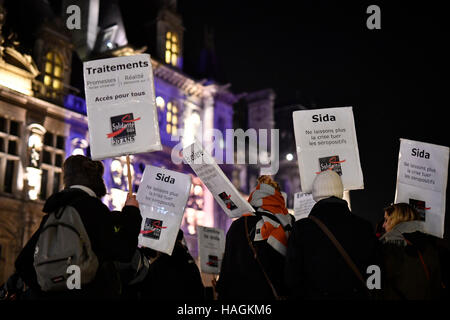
(266, 199)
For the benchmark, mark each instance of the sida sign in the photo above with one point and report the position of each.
(326, 140)
(422, 182)
(162, 197)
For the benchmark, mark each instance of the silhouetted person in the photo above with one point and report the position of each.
(263, 234)
(411, 265)
(169, 277)
(113, 235)
(315, 269)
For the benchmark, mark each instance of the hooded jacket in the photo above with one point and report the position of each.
(113, 236)
(314, 267)
(404, 275)
(241, 277)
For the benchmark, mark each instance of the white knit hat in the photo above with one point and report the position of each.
(327, 184)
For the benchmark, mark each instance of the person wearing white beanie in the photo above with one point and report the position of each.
(314, 267)
(327, 184)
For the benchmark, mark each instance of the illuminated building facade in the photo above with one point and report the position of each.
(43, 112)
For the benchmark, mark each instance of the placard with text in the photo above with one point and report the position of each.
(162, 198)
(211, 246)
(206, 168)
(326, 140)
(303, 203)
(121, 108)
(422, 182)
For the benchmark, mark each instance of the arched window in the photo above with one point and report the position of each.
(53, 76)
(172, 48)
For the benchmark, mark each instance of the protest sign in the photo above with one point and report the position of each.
(121, 108)
(162, 198)
(326, 140)
(211, 246)
(206, 168)
(422, 182)
(303, 203)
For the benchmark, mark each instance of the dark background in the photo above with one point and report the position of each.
(321, 54)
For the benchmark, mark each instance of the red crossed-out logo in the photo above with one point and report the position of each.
(333, 161)
(156, 225)
(125, 119)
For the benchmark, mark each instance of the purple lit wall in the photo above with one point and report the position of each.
(75, 103)
(222, 120)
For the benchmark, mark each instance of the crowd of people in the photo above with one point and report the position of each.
(331, 254)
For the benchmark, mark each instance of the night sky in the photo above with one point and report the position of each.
(321, 54)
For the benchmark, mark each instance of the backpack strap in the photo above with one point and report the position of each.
(59, 213)
(341, 249)
(255, 255)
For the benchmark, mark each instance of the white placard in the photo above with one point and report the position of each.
(121, 108)
(422, 182)
(206, 168)
(211, 246)
(326, 140)
(162, 198)
(303, 203)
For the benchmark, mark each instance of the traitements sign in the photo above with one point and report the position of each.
(326, 140)
(121, 108)
(216, 181)
(211, 246)
(162, 197)
(422, 182)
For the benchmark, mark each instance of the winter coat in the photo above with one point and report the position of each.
(404, 275)
(314, 267)
(113, 236)
(175, 277)
(241, 277)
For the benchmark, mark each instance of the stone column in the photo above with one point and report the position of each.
(261, 118)
(207, 127)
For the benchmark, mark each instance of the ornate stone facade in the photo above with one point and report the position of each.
(38, 130)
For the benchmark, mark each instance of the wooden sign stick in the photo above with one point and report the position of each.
(130, 183)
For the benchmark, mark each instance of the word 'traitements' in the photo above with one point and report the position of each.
(117, 67)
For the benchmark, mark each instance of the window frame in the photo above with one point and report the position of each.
(5, 156)
(52, 92)
(171, 48)
(51, 167)
(169, 111)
